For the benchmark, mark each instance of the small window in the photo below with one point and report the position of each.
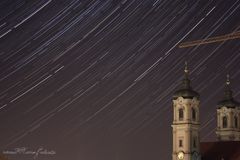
(181, 114)
(224, 122)
(180, 143)
(236, 121)
(194, 142)
(193, 114)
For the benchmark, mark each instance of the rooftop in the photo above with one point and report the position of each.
(222, 150)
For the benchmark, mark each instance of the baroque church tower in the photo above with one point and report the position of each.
(228, 117)
(186, 141)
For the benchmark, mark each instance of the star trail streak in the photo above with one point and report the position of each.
(94, 79)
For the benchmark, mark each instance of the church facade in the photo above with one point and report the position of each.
(186, 126)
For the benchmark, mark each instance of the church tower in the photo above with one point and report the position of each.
(228, 117)
(186, 124)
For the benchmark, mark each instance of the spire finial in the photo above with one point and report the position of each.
(228, 80)
(186, 68)
(228, 91)
(186, 81)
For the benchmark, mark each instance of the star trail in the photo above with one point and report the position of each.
(94, 79)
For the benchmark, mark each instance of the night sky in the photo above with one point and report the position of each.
(94, 79)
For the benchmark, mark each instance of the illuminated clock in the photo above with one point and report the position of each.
(180, 155)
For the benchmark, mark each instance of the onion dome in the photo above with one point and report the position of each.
(228, 100)
(186, 90)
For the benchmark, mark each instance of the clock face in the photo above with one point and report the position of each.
(180, 155)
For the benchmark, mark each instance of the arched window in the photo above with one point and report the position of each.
(236, 122)
(181, 114)
(194, 142)
(224, 122)
(193, 114)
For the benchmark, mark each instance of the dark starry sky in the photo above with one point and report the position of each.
(93, 79)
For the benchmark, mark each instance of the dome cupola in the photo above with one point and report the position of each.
(186, 90)
(228, 100)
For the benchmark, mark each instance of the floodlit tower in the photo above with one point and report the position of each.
(186, 122)
(228, 116)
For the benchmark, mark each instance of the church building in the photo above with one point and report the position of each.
(186, 126)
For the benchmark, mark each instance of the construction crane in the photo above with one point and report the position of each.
(233, 35)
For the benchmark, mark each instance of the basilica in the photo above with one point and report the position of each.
(186, 126)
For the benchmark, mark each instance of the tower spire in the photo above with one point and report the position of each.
(228, 80)
(186, 67)
(228, 91)
(186, 81)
